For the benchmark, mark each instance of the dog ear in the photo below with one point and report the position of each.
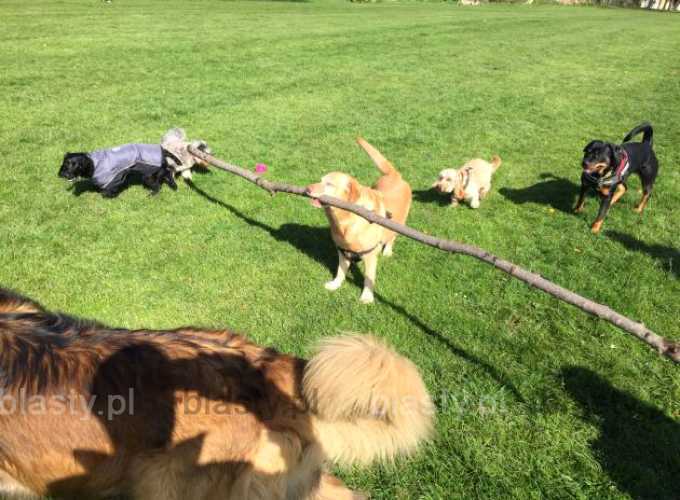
(589, 146)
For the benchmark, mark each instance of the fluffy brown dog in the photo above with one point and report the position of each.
(192, 414)
(356, 238)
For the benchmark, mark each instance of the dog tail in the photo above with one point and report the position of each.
(368, 401)
(647, 130)
(13, 303)
(380, 161)
(496, 162)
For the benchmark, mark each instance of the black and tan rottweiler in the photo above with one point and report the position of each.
(607, 166)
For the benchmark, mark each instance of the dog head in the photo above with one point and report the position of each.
(337, 185)
(76, 165)
(599, 157)
(448, 180)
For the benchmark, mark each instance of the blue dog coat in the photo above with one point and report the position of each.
(111, 165)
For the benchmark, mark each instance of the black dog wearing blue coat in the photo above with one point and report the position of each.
(109, 169)
(607, 166)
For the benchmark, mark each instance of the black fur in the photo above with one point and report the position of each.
(77, 165)
(642, 161)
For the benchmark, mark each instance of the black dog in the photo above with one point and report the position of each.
(109, 168)
(607, 166)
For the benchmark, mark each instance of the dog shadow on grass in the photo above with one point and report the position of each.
(495, 374)
(557, 192)
(313, 241)
(637, 444)
(316, 243)
(432, 196)
(668, 257)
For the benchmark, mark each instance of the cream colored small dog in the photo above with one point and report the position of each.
(356, 238)
(470, 183)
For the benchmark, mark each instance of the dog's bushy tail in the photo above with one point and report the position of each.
(647, 130)
(368, 402)
(496, 162)
(380, 161)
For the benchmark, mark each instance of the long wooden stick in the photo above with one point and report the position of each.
(663, 346)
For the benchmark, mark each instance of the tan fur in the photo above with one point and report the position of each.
(597, 169)
(390, 195)
(216, 416)
(643, 203)
(478, 172)
(596, 227)
(390, 417)
(620, 191)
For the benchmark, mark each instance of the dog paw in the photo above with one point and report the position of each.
(474, 204)
(332, 285)
(366, 297)
(595, 228)
(387, 251)
(578, 210)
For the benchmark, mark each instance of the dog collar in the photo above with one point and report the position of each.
(618, 175)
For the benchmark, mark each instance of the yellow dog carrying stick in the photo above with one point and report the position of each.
(666, 347)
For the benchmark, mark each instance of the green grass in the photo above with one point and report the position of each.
(536, 399)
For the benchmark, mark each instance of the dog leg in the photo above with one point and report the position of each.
(169, 178)
(343, 266)
(153, 183)
(619, 192)
(604, 208)
(474, 201)
(370, 268)
(111, 192)
(387, 249)
(581, 199)
(454, 202)
(389, 244)
(643, 201)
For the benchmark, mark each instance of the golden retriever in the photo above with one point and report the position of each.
(356, 238)
(90, 411)
(470, 183)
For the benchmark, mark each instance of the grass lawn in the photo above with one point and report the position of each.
(535, 399)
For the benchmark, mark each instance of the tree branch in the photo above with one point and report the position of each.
(663, 346)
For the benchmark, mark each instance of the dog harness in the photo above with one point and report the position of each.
(614, 177)
(465, 178)
(356, 256)
(110, 164)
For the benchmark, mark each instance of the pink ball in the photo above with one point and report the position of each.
(260, 168)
